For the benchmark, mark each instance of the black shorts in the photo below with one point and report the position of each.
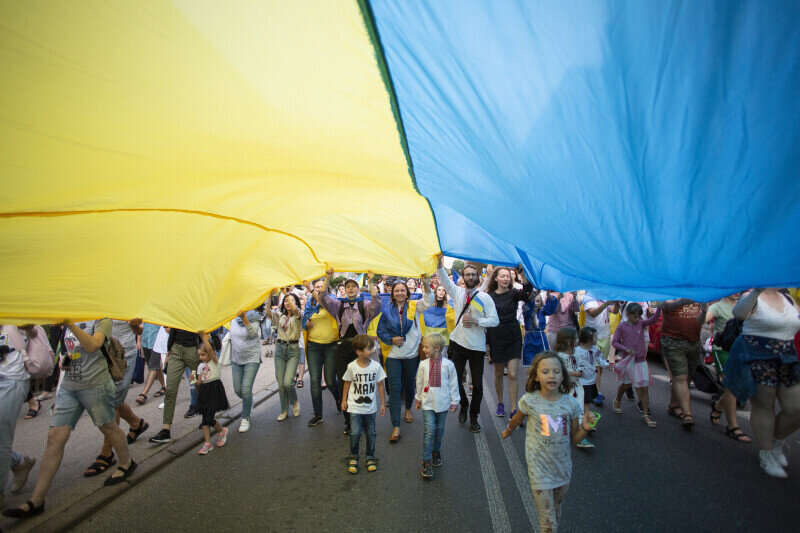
(590, 392)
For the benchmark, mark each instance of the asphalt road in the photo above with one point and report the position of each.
(285, 476)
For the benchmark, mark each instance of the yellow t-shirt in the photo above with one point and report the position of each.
(614, 319)
(323, 328)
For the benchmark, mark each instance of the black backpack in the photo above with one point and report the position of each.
(361, 311)
(733, 328)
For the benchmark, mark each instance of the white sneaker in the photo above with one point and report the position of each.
(296, 409)
(244, 426)
(283, 416)
(770, 465)
(161, 406)
(21, 477)
(777, 453)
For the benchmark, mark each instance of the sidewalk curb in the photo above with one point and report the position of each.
(80, 511)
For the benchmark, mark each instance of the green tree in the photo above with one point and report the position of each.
(458, 265)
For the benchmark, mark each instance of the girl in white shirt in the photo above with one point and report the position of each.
(437, 391)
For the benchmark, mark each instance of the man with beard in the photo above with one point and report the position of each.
(475, 311)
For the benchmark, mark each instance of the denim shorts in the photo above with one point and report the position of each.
(97, 401)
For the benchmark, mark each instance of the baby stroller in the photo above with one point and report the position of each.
(706, 378)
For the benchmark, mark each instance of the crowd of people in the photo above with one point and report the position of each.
(407, 344)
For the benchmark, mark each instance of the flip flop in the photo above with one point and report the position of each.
(300, 384)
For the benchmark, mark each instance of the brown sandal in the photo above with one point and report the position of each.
(409, 418)
(674, 410)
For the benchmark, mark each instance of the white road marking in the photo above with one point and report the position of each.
(497, 509)
(514, 462)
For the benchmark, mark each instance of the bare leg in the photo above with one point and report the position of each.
(151, 378)
(114, 434)
(727, 404)
(762, 416)
(498, 380)
(788, 419)
(126, 413)
(621, 390)
(644, 397)
(207, 434)
(301, 369)
(53, 454)
(513, 366)
(680, 394)
(599, 375)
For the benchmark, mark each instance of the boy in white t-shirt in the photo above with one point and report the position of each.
(362, 379)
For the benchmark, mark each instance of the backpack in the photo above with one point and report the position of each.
(733, 328)
(37, 355)
(361, 311)
(115, 357)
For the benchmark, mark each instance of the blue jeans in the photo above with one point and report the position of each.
(192, 389)
(402, 378)
(243, 378)
(320, 355)
(358, 421)
(12, 395)
(434, 431)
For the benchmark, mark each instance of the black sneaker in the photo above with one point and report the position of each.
(193, 411)
(427, 470)
(347, 430)
(162, 437)
(314, 420)
(629, 394)
(462, 415)
(639, 407)
(437, 459)
(474, 426)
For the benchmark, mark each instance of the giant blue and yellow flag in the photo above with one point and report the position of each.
(177, 159)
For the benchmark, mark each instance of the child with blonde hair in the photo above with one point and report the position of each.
(437, 392)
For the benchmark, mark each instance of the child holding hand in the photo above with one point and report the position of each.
(211, 395)
(437, 391)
